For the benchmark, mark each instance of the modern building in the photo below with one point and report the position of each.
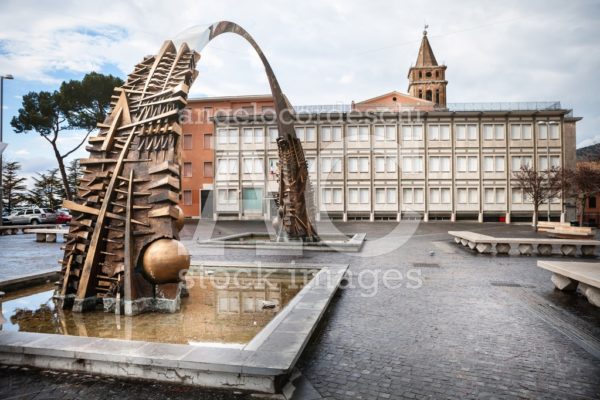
(198, 154)
(397, 155)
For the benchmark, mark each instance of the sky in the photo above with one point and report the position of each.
(323, 52)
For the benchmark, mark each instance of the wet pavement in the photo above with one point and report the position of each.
(420, 317)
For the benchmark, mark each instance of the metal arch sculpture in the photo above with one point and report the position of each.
(123, 244)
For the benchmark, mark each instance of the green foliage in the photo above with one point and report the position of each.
(47, 190)
(78, 105)
(13, 185)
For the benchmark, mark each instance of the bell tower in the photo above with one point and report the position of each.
(427, 79)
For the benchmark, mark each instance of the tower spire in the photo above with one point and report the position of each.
(427, 79)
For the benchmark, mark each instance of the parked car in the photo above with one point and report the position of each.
(32, 215)
(5, 220)
(62, 217)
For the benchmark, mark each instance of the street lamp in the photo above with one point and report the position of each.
(2, 78)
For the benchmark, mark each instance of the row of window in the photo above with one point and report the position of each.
(410, 164)
(410, 195)
(360, 133)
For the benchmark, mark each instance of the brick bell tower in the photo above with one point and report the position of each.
(427, 79)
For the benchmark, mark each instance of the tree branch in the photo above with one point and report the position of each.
(79, 145)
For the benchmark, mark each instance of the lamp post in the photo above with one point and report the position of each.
(2, 78)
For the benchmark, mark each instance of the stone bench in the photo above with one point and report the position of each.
(14, 229)
(565, 230)
(543, 246)
(567, 276)
(47, 235)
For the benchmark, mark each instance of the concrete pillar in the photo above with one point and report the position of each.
(399, 217)
(480, 217)
(562, 217)
(507, 218)
(51, 237)
(426, 217)
(345, 217)
(453, 217)
(563, 283)
(372, 217)
(318, 217)
(591, 293)
(502, 248)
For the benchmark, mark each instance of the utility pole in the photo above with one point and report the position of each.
(2, 78)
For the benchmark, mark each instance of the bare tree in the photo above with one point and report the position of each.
(539, 186)
(585, 183)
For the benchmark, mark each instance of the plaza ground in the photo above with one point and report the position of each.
(477, 326)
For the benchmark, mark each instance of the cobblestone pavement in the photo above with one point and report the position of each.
(476, 327)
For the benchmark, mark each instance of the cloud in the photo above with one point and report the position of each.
(327, 52)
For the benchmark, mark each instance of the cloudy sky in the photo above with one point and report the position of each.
(323, 52)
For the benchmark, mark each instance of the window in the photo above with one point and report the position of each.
(227, 135)
(358, 164)
(385, 133)
(187, 141)
(385, 164)
(227, 196)
(467, 196)
(493, 163)
(227, 166)
(306, 133)
(494, 195)
(493, 131)
(412, 195)
(592, 202)
(385, 196)
(253, 165)
(187, 197)
(439, 195)
(439, 164)
(273, 170)
(331, 195)
(208, 141)
(358, 196)
(519, 161)
(412, 164)
(331, 133)
(543, 131)
(554, 131)
(412, 132)
(466, 164)
(187, 169)
(331, 164)
(520, 131)
(358, 133)
(253, 135)
(554, 162)
(273, 134)
(208, 169)
(439, 131)
(466, 131)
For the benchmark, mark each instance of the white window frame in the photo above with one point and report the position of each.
(412, 132)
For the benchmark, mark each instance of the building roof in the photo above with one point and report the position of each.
(426, 58)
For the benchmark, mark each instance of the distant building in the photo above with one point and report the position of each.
(397, 155)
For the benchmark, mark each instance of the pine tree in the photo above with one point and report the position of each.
(48, 191)
(13, 185)
(74, 174)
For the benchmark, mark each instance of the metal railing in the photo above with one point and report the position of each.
(506, 106)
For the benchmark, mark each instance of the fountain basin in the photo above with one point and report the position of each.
(262, 364)
(265, 241)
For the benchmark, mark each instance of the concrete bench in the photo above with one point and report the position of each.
(47, 235)
(543, 246)
(565, 230)
(14, 229)
(567, 276)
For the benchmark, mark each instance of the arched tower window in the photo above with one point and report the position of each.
(437, 96)
(420, 74)
(420, 94)
(428, 95)
(428, 74)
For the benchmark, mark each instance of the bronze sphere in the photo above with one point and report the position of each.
(164, 259)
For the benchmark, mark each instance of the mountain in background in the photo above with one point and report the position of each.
(589, 153)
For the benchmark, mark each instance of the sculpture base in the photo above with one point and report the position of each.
(167, 300)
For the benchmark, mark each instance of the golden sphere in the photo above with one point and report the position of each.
(180, 220)
(164, 259)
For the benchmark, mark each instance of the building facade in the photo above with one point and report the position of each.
(198, 156)
(393, 165)
(395, 156)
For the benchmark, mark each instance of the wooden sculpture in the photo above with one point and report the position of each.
(123, 245)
